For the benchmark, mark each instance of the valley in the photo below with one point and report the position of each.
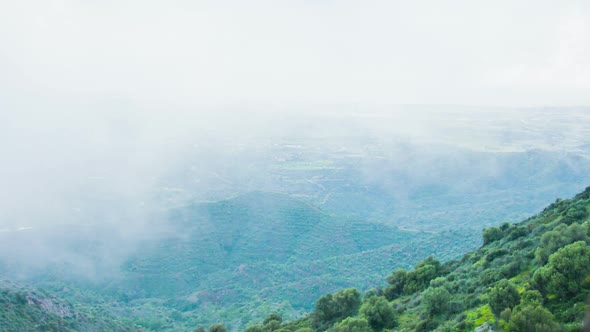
(269, 228)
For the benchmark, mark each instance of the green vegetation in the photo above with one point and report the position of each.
(378, 313)
(24, 310)
(222, 271)
(533, 276)
(503, 295)
(217, 328)
(506, 284)
(330, 309)
(352, 324)
(216, 266)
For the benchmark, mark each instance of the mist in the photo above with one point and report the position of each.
(531, 53)
(113, 113)
(77, 176)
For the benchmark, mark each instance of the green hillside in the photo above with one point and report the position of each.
(241, 234)
(24, 309)
(238, 260)
(529, 276)
(244, 257)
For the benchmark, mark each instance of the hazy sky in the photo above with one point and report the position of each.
(94, 95)
(510, 53)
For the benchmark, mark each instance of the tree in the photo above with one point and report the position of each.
(550, 242)
(217, 328)
(397, 281)
(352, 324)
(559, 237)
(492, 234)
(503, 295)
(438, 282)
(565, 273)
(576, 232)
(325, 308)
(532, 319)
(428, 261)
(271, 323)
(419, 279)
(403, 282)
(347, 301)
(331, 308)
(379, 313)
(531, 298)
(575, 213)
(271, 326)
(436, 300)
(270, 317)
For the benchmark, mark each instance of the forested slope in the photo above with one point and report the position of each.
(25, 309)
(529, 276)
(239, 259)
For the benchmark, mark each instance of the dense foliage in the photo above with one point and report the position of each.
(530, 276)
(24, 310)
(221, 270)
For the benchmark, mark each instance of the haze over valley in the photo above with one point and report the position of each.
(294, 166)
(342, 200)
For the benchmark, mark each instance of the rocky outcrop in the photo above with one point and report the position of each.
(484, 328)
(53, 305)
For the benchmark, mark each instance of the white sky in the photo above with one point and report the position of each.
(508, 53)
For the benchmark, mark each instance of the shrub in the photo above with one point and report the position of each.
(352, 324)
(436, 300)
(502, 296)
(379, 313)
